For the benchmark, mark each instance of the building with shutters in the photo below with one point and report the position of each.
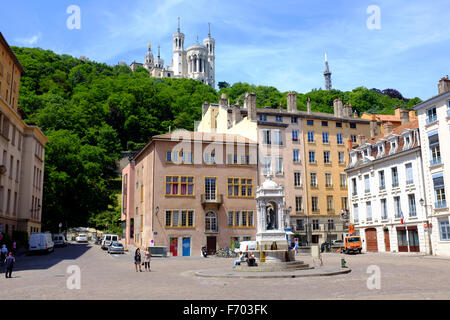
(385, 178)
(434, 126)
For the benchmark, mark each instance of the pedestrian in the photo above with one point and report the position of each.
(4, 253)
(14, 247)
(241, 259)
(137, 260)
(147, 258)
(9, 265)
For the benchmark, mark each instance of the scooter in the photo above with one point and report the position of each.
(204, 252)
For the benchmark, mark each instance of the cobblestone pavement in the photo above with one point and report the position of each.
(105, 276)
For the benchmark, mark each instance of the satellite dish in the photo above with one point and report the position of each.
(2, 169)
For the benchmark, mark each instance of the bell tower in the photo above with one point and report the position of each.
(178, 53)
(210, 45)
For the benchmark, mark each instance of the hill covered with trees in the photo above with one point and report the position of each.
(91, 112)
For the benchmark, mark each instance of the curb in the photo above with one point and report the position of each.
(267, 275)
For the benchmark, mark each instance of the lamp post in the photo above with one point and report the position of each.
(423, 204)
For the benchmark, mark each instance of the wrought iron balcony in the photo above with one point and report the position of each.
(211, 199)
(440, 204)
(435, 161)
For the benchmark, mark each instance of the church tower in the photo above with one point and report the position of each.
(149, 60)
(178, 61)
(327, 75)
(210, 45)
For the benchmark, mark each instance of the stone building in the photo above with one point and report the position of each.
(23, 152)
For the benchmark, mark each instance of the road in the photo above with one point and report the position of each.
(104, 276)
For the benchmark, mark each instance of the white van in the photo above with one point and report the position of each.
(108, 239)
(246, 246)
(41, 242)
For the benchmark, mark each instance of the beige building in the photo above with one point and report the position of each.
(23, 150)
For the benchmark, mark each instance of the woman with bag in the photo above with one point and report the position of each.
(147, 257)
(137, 259)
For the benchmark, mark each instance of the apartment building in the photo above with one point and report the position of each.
(305, 151)
(22, 149)
(185, 190)
(434, 126)
(385, 177)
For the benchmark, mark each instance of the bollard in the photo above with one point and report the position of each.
(343, 263)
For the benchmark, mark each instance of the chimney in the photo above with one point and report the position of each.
(335, 107)
(251, 107)
(205, 107)
(348, 112)
(362, 140)
(444, 85)
(373, 127)
(398, 112)
(412, 114)
(308, 105)
(350, 144)
(236, 114)
(292, 102)
(387, 127)
(340, 108)
(223, 102)
(404, 116)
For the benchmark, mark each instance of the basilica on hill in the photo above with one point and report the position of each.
(195, 62)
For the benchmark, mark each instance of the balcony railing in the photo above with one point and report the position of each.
(408, 182)
(211, 199)
(440, 204)
(395, 184)
(435, 161)
(431, 119)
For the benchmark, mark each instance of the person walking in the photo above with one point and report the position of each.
(9, 265)
(137, 260)
(4, 253)
(147, 258)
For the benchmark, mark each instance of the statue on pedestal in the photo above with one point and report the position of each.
(270, 218)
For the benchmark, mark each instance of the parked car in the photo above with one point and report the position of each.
(108, 239)
(40, 242)
(116, 247)
(246, 246)
(82, 237)
(337, 243)
(59, 240)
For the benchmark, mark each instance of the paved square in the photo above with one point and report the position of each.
(105, 276)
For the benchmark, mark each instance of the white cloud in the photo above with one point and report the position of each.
(29, 41)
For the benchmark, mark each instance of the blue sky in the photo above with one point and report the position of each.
(277, 43)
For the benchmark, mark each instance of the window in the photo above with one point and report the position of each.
(439, 191)
(341, 156)
(352, 125)
(240, 187)
(210, 188)
(407, 142)
(354, 187)
(315, 204)
(330, 224)
(324, 123)
(267, 165)
(279, 118)
(312, 157)
(382, 180)
(380, 151)
(397, 208)
(433, 140)
(444, 230)
(339, 138)
(278, 165)
(296, 154)
(310, 136)
(384, 213)
(367, 183)
(233, 159)
(338, 124)
(210, 158)
(328, 180)
(293, 119)
(343, 178)
(11, 165)
(297, 179)
(277, 137)
(298, 204)
(179, 186)
(315, 224)
(266, 137)
(179, 157)
(313, 179)
(300, 224)
(142, 193)
(330, 204)
(211, 222)
(412, 205)
(262, 117)
(18, 170)
(295, 135)
(353, 138)
(394, 173)
(431, 115)
(326, 157)
(310, 122)
(409, 173)
(369, 210)
(325, 137)
(355, 213)
(240, 219)
(344, 203)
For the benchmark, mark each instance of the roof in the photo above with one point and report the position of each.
(397, 130)
(432, 100)
(11, 53)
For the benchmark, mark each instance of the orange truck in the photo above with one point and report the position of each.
(352, 242)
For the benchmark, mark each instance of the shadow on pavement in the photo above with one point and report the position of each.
(37, 261)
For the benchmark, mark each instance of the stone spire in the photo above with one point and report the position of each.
(179, 25)
(209, 30)
(327, 75)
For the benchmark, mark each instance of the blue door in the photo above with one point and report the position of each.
(186, 246)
